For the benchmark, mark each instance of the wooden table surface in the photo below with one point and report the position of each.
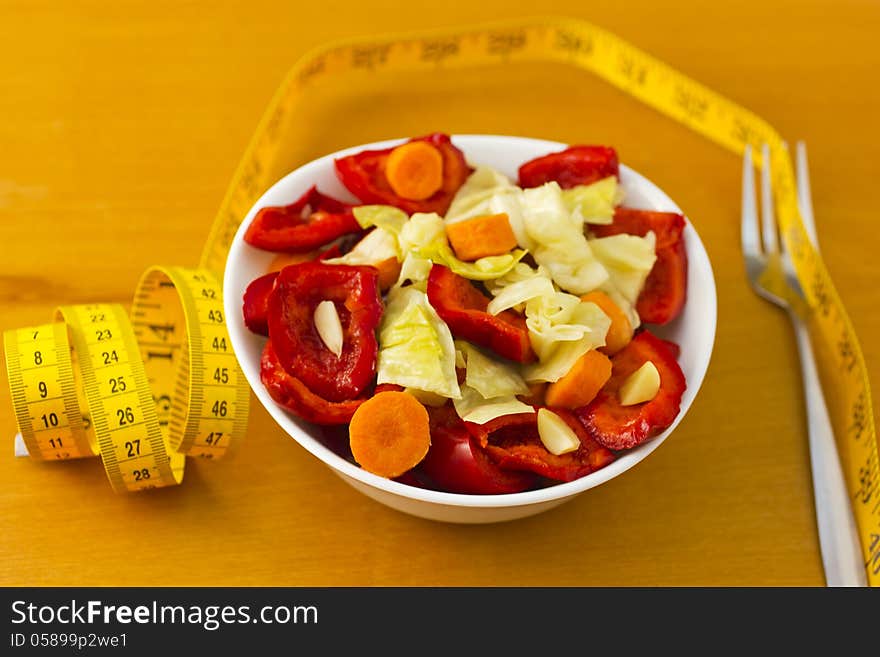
(120, 127)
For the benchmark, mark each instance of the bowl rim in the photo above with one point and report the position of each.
(558, 491)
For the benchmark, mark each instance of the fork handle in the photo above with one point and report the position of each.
(838, 534)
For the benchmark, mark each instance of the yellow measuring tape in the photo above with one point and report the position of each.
(192, 408)
(142, 393)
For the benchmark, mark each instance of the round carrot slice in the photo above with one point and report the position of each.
(415, 170)
(389, 433)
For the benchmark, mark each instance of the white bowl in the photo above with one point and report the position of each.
(693, 330)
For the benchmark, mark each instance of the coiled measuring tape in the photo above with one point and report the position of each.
(141, 392)
(583, 45)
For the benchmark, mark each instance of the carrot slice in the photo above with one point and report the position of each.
(414, 170)
(488, 235)
(537, 390)
(582, 382)
(389, 271)
(283, 259)
(389, 433)
(621, 331)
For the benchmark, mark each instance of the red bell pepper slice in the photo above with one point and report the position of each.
(457, 464)
(665, 290)
(576, 165)
(354, 291)
(668, 227)
(622, 427)
(306, 224)
(673, 347)
(416, 478)
(513, 443)
(255, 304)
(463, 307)
(364, 176)
(296, 396)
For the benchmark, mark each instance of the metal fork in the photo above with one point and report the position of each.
(772, 276)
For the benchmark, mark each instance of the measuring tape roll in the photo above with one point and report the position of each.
(44, 393)
(120, 406)
(142, 394)
(574, 42)
(197, 383)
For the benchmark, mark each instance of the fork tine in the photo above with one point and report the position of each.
(751, 243)
(768, 216)
(805, 201)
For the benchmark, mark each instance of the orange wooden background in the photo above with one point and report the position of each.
(120, 127)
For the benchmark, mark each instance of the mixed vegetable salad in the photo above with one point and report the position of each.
(470, 333)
